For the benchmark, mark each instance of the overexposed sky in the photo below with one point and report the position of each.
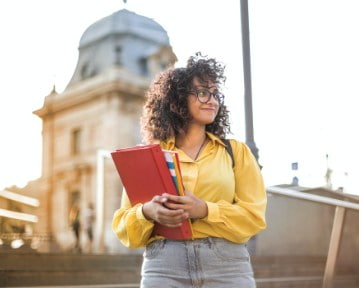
(305, 75)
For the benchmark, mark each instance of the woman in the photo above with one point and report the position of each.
(185, 112)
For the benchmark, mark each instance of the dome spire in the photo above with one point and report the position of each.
(53, 89)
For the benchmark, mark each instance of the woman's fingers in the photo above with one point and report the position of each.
(174, 198)
(171, 217)
(190, 203)
(165, 211)
(160, 199)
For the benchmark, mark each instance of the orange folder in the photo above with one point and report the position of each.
(144, 173)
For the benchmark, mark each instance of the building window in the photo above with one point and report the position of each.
(118, 53)
(74, 197)
(88, 71)
(163, 66)
(84, 71)
(144, 66)
(76, 141)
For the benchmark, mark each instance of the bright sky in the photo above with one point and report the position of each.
(305, 71)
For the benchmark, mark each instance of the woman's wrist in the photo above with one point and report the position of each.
(204, 209)
(145, 211)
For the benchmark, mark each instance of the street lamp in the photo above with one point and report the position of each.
(247, 79)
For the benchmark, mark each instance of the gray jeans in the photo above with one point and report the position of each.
(201, 263)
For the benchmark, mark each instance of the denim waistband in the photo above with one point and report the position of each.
(206, 240)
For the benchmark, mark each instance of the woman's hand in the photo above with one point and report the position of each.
(194, 206)
(158, 211)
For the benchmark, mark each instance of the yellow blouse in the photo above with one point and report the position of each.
(236, 198)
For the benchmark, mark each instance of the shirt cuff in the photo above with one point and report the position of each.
(213, 212)
(140, 216)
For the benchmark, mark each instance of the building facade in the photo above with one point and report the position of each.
(100, 109)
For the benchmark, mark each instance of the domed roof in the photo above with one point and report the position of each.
(125, 22)
(126, 40)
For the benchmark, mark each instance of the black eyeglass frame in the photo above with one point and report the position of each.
(218, 96)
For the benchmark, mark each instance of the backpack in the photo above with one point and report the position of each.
(229, 150)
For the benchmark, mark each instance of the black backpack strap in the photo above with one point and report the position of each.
(229, 149)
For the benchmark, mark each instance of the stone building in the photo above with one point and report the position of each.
(100, 108)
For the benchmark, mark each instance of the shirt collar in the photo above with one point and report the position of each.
(214, 138)
(170, 143)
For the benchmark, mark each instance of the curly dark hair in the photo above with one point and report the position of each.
(166, 111)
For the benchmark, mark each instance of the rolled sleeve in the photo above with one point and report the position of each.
(214, 214)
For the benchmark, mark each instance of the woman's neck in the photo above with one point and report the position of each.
(192, 138)
(192, 142)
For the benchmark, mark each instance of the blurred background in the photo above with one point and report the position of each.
(304, 70)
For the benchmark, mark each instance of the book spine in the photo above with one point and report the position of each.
(163, 170)
(172, 167)
(180, 188)
(178, 174)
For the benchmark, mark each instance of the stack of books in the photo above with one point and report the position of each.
(146, 171)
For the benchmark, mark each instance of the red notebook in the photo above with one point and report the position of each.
(144, 173)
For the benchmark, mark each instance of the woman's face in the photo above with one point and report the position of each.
(203, 113)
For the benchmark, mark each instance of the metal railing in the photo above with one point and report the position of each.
(22, 199)
(337, 229)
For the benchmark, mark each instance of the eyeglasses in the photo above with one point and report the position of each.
(204, 95)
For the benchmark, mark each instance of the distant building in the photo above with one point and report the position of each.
(100, 108)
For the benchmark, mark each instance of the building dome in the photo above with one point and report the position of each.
(125, 40)
(125, 22)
